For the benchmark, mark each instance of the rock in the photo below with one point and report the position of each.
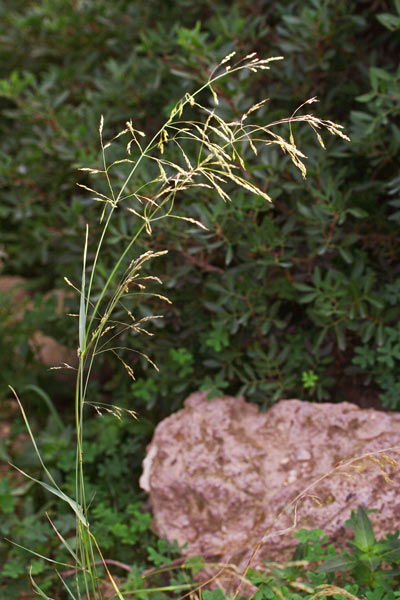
(223, 477)
(14, 284)
(50, 352)
(14, 288)
(45, 348)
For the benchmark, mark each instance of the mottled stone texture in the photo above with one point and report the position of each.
(219, 474)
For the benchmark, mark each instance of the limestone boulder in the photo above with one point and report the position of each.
(226, 479)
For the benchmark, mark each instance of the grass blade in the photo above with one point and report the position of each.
(64, 542)
(66, 586)
(54, 489)
(37, 588)
(46, 398)
(82, 307)
(56, 562)
(57, 492)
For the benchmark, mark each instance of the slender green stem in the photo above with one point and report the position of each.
(115, 200)
(222, 157)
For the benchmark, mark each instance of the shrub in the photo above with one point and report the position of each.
(296, 298)
(323, 257)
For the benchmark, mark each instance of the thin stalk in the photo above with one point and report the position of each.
(217, 168)
(182, 103)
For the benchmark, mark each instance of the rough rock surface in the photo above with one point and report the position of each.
(220, 474)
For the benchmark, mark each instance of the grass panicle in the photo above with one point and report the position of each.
(206, 152)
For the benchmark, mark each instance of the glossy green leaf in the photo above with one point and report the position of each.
(364, 536)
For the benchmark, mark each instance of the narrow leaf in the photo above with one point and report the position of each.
(64, 542)
(37, 588)
(66, 586)
(336, 563)
(57, 492)
(82, 307)
(56, 562)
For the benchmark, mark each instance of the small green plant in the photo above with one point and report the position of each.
(372, 563)
(371, 570)
(309, 379)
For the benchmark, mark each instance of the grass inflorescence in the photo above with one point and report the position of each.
(204, 152)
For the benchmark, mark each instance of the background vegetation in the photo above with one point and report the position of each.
(295, 299)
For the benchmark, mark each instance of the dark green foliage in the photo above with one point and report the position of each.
(278, 291)
(119, 521)
(370, 570)
(269, 293)
(369, 560)
(300, 298)
(18, 323)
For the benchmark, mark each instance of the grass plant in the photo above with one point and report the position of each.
(197, 150)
